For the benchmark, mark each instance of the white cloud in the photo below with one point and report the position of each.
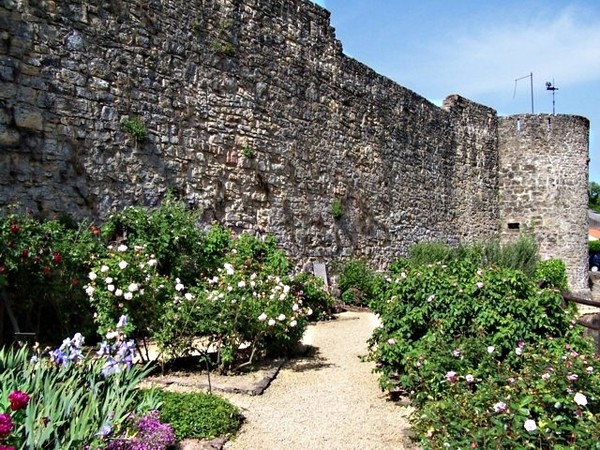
(565, 47)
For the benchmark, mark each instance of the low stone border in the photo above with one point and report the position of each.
(243, 386)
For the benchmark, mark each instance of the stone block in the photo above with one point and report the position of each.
(29, 119)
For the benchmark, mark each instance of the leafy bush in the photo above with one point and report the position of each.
(135, 127)
(337, 209)
(311, 290)
(594, 246)
(198, 415)
(42, 263)
(126, 282)
(490, 359)
(169, 232)
(552, 273)
(356, 282)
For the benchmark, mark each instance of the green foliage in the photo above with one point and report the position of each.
(594, 246)
(169, 232)
(247, 152)
(68, 404)
(135, 126)
(126, 282)
(356, 281)
(594, 196)
(463, 339)
(552, 273)
(336, 209)
(311, 290)
(519, 255)
(429, 252)
(42, 264)
(224, 48)
(198, 415)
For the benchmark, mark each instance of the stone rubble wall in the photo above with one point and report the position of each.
(254, 116)
(543, 187)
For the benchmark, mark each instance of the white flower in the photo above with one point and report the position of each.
(118, 292)
(123, 264)
(518, 351)
(152, 262)
(295, 307)
(293, 323)
(530, 425)
(228, 268)
(179, 287)
(89, 290)
(253, 276)
(469, 378)
(580, 399)
(122, 248)
(128, 296)
(281, 317)
(479, 284)
(431, 298)
(403, 275)
(491, 349)
(104, 268)
(271, 322)
(229, 289)
(590, 369)
(188, 296)
(545, 376)
(110, 287)
(499, 407)
(108, 280)
(262, 317)
(391, 341)
(133, 287)
(123, 320)
(282, 296)
(92, 276)
(112, 335)
(252, 283)
(286, 289)
(242, 284)
(309, 312)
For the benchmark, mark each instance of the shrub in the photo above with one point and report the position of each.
(356, 282)
(594, 246)
(337, 209)
(552, 273)
(311, 291)
(424, 253)
(198, 415)
(489, 358)
(135, 127)
(169, 232)
(42, 263)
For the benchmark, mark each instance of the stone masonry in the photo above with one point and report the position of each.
(256, 117)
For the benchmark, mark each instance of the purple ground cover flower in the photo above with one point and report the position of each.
(150, 434)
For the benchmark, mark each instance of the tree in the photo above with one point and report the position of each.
(594, 196)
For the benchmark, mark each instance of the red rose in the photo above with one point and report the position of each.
(14, 228)
(25, 254)
(95, 230)
(56, 258)
(6, 425)
(18, 400)
(46, 270)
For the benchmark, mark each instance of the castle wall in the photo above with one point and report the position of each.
(254, 116)
(543, 186)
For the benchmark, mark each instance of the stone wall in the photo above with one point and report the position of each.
(254, 115)
(543, 186)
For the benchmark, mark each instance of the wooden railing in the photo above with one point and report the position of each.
(583, 301)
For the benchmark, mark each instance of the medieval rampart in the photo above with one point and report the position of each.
(254, 115)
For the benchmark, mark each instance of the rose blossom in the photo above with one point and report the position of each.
(6, 425)
(499, 407)
(18, 400)
(580, 399)
(530, 425)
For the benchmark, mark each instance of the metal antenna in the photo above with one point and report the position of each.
(530, 76)
(551, 87)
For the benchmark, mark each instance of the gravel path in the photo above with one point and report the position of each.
(329, 400)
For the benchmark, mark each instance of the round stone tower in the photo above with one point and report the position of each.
(543, 182)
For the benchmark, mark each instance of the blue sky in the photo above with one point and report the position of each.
(478, 48)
